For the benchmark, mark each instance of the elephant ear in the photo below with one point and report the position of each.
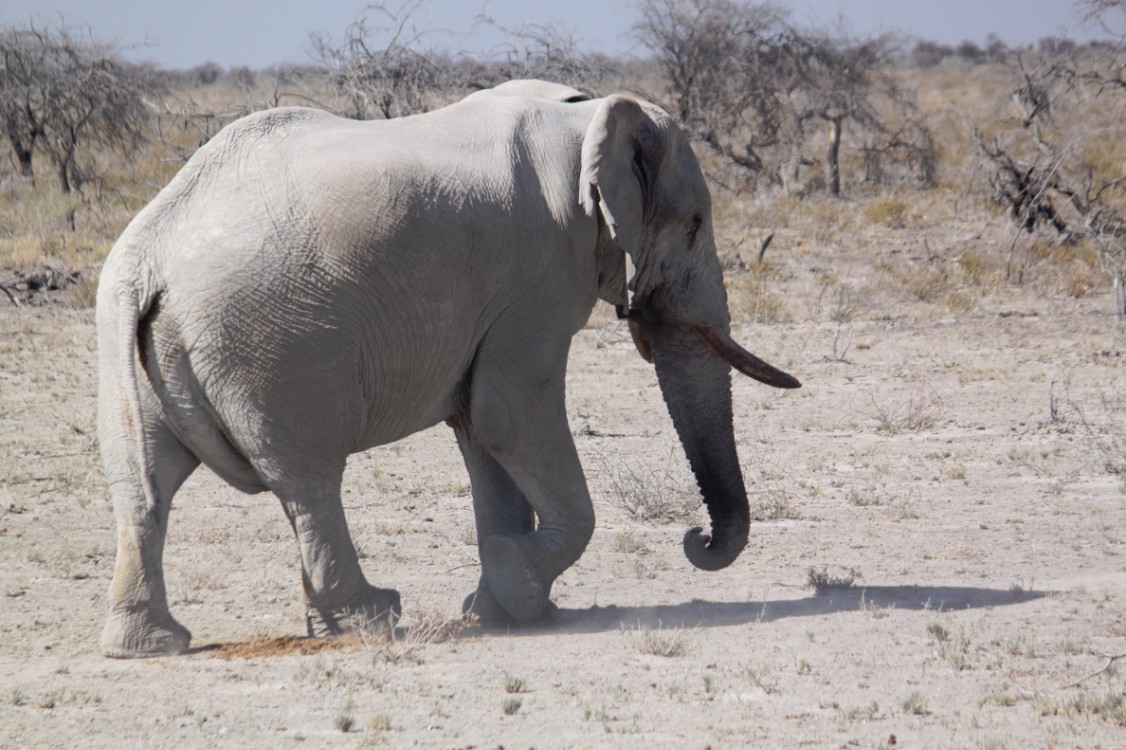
(612, 178)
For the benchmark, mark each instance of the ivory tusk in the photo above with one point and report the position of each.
(743, 361)
(640, 341)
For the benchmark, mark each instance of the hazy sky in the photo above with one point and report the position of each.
(183, 33)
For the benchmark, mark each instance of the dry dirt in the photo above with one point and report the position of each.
(952, 463)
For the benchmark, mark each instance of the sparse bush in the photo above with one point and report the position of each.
(926, 283)
(652, 495)
(1109, 706)
(918, 410)
(822, 580)
(432, 626)
(1101, 420)
(978, 269)
(429, 627)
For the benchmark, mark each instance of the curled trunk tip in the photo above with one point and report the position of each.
(708, 553)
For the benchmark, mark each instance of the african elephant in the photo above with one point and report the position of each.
(308, 287)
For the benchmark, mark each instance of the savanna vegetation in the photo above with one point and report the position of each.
(813, 131)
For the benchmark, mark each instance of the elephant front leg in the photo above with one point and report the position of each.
(500, 509)
(521, 568)
(338, 599)
(521, 454)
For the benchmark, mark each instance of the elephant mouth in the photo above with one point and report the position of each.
(716, 339)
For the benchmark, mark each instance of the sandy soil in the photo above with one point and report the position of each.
(953, 465)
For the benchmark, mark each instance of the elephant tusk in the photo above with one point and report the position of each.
(640, 340)
(741, 359)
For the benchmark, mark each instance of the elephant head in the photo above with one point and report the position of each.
(641, 178)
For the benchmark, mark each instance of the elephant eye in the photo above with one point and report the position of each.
(693, 229)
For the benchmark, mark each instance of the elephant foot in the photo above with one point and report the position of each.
(372, 612)
(485, 606)
(512, 580)
(143, 634)
(490, 613)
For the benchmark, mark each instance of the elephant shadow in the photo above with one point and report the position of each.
(699, 613)
(696, 613)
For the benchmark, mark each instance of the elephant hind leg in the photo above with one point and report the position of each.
(140, 623)
(338, 599)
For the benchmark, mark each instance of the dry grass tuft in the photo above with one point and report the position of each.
(773, 505)
(1109, 706)
(431, 627)
(661, 642)
(889, 210)
(915, 703)
(515, 684)
(628, 543)
(751, 296)
(953, 648)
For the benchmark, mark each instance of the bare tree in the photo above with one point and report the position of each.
(709, 52)
(64, 95)
(21, 103)
(382, 67)
(387, 65)
(747, 82)
(1059, 169)
(537, 51)
(836, 81)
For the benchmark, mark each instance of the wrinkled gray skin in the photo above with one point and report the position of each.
(308, 287)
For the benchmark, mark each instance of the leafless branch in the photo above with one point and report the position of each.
(1109, 663)
(9, 294)
(751, 85)
(61, 93)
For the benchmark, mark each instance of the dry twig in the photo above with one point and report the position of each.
(11, 296)
(1109, 662)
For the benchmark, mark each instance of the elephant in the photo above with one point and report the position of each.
(309, 286)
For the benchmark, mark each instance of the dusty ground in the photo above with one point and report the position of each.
(954, 460)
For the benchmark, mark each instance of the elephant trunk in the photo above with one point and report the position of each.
(696, 385)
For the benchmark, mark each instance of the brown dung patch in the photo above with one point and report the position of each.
(284, 646)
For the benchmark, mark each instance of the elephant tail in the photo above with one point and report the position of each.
(124, 298)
